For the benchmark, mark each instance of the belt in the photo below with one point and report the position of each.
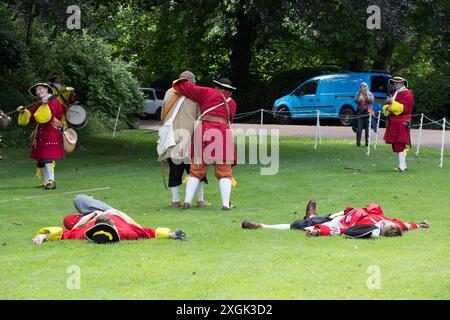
(214, 119)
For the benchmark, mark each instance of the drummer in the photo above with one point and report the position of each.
(67, 98)
(47, 145)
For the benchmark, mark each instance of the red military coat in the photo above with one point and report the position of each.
(127, 231)
(397, 130)
(49, 143)
(357, 216)
(214, 141)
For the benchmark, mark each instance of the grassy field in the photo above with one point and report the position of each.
(220, 260)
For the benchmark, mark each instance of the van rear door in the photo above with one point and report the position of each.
(378, 86)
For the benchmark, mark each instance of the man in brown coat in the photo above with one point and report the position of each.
(178, 157)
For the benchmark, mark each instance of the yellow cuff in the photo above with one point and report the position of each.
(43, 114)
(396, 108)
(385, 110)
(162, 233)
(24, 118)
(55, 232)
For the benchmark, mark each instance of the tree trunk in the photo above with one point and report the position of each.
(384, 56)
(30, 23)
(241, 55)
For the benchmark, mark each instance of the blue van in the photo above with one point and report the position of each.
(331, 94)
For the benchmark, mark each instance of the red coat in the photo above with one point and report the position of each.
(127, 231)
(49, 144)
(396, 130)
(357, 216)
(207, 139)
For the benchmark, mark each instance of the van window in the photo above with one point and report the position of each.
(148, 95)
(379, 84)
(160, 94)
(308, 88)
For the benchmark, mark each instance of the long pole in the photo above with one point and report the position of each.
(317, 130)
(369, 128)
(117, 120)
(378, 129)
(419, 138)
(442, 143)
(261, 125)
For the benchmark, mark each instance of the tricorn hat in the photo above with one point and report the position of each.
(102, 233)
(32, 90)
(399, 79)
(224, 83)
(56, 74)
(362, 231)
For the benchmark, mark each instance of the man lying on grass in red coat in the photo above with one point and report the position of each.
(352, 222)
(101, 223)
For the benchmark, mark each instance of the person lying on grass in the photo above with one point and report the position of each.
(352, 222)
(101, 223)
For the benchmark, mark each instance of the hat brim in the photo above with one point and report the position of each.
(102, 233)
(360, 231)
(224, 85)
(32, 90)
(392, 80)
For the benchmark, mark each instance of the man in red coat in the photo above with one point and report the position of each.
(398, 111)
(372, 215)
(213, 140)
(101, 223)
(47, 145)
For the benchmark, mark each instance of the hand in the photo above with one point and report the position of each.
(179, 234)
(312, 233)
(20, 109)
(424, 224)
(40, 238)
(389, 100)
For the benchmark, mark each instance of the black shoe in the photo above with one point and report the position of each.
(51, 185)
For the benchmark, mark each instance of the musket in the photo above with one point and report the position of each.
(49, 98)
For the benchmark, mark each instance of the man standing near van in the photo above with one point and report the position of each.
(398, 110)
(178, 156)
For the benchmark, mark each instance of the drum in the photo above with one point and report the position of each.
(76, 115)
(4, 120)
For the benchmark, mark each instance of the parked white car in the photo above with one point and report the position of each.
(153, 99)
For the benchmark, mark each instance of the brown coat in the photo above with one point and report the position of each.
(185, 119)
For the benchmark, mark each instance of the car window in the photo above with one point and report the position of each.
(379, 84)
(148, 95)
(307, 88)
(160, 95)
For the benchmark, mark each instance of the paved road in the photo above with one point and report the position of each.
(430, 138)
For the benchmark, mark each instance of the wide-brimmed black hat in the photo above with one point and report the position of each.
(32, 90)
(102, 233)
(54, 76)
(398, 79)
(362, 231)
(224, 83)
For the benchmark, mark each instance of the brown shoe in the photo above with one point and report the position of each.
(204, 204)
(175, 205)
(226, 208)
(310, 210)
(186, 205)
(51, 185)
(247, 224)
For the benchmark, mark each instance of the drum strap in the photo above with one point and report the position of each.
(66, 104)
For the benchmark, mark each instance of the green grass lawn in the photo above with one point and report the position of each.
(221, 260)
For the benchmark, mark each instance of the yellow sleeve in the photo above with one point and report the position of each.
(396, 108)
(55, 232)
(162, 233)
(43, 114)
(24, 118)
